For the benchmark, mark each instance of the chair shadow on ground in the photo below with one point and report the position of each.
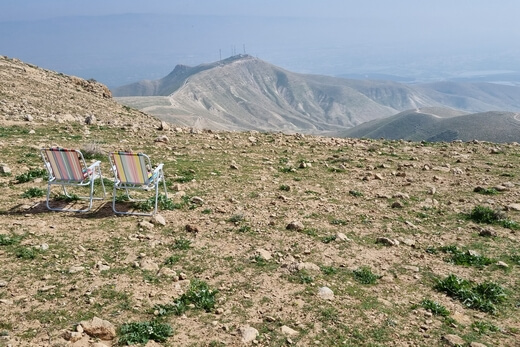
(99, 210)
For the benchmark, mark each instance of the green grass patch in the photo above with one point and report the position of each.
(364, 275)
(33, 193)
(482, 214)
(435, 308)
(8, 240)
(466, 258)
(483, 327)
(198, 294)
(355, 193)
(31, 175)
(483, 297)
(181, 244)
(486, 191)
(142, 332)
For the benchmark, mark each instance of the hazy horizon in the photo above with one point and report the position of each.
(120, 42)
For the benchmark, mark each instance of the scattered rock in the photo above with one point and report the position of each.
(99, 328)
(248, 334)
(197, 200)
(513, 207)
(342, 237)
(502, 264)
(76, 269)
(164, 126)
(387, 241)
(307, 266)
(192, 228)
(5, 169)
(3, 284)
(397, 204)
(158, 219)
(326, 293)
(264, 254)
(102, 267)
(453, 340)
(148, 264)
(488, 232)
(72, 336)
(295, 225)
(288, 331)
(162, 139)
(477, 344)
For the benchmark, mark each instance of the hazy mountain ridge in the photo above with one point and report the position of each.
(422, 124)
(246, 93)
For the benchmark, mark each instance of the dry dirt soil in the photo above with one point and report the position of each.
(269, 239)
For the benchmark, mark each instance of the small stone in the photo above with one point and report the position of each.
(477, 344)
(164, 126)
(182, 276)
(453, 340)
(234, 167)
(248, 334)
(162, 138)
(387, 241)
(502, 264)
(76, 269)
(148, 264)
(44, 247)
(488, 232)
(514, 207)
(307, 267)
(342, 237)
(288, 331)
(5, 169)
(270, 319)
(264, 254)
(99, 328)
(3, 284)
(197, 200)
(295, 225)
(397, 204)
(192, 228)
(326, 293)
(158, 219)
(72, 336)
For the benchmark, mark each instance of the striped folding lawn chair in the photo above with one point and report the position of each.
(134, 171)
(67, 167)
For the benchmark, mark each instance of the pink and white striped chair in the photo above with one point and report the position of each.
(134, 171)
(67, 167)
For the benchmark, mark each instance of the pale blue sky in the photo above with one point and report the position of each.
(497, 11)
(426, 38)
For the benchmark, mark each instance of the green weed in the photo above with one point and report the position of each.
(435, 308)
(482, 297)
(365, 276)
(198, 294)
(483, 328)
(31, 175)
(142, 332)
(33, 193)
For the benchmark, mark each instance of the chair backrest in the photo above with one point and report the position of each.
(65, 164)
(131, 168)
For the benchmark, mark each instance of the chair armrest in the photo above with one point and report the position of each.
(91, 167)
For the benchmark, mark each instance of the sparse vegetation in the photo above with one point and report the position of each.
(142, 332)
(122, 270)
(483, 297)
(364, 275)
(33, 193)
(31, 175)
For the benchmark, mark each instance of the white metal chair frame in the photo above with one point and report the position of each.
(90, 174)
(152, 182)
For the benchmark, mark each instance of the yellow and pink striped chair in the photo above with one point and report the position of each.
(134, 171)
(67, 167)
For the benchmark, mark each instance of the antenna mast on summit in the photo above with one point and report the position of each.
(244, 48)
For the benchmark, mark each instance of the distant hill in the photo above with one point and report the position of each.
(28, 92)
(436, 125)
(246, 93)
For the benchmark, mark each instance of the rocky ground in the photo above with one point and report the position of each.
(267, 239)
